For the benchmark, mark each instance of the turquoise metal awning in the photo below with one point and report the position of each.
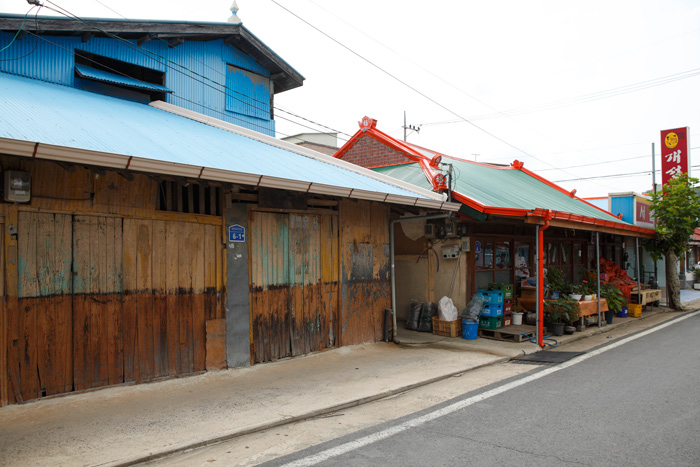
(94, 74)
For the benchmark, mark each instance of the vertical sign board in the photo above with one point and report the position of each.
(675, 158)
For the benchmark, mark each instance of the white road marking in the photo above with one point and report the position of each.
(380, 435)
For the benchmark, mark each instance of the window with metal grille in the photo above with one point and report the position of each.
(188, 197)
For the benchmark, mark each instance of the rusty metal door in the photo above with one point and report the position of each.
(294, 284)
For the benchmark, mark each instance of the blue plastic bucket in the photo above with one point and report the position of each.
(470, 329)
(622, 313)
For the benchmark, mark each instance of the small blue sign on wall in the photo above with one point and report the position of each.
(236, 233)
(477, 247)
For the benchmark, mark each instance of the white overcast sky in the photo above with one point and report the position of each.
(551, 60)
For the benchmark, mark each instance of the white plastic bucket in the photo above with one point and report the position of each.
(517, 318)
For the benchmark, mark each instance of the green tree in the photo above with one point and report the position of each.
(676, 209)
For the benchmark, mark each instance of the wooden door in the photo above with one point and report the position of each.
(294, 284)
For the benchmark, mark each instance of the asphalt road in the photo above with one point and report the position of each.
(633, 402)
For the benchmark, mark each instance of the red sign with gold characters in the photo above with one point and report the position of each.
(674, 153)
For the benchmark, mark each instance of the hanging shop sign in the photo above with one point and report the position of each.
(675, 158)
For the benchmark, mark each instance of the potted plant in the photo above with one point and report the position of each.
(561, 311)
(615, 300)
(578, 291)
(587, 291)
(556, 282)
(696, 276)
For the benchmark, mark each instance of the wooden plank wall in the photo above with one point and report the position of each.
(294, 284)
(40, 321)
(133, 308)
(365, 280)
(97, 302)
(100, 287)
(171, 289)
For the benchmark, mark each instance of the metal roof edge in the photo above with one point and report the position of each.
(232, 128)
(30, 149)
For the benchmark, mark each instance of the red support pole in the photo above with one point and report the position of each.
(540, 276)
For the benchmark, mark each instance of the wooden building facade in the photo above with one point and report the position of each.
(112, 278)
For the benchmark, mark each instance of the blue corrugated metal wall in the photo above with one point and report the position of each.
(624, 205)
(195, 71)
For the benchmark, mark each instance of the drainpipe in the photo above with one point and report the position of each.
(540, 275)
(639, 271)
(597, 262)
(393, 265)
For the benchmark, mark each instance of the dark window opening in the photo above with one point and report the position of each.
(117, 78)
(189, 198)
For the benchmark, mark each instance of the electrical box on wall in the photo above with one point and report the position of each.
(17, 186)
(450, 229)
(451, 251)
(466, 244)
(429, 231)
(461, 230)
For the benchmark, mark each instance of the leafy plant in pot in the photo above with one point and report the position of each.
(561, 311)
(556, 282)
(578, 291)
(615, 299)
(696, 276)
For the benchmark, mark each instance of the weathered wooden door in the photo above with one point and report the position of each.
(102, 300)
(40, 320)
(294, 284)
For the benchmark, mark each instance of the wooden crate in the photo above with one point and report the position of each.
(646, 296)
(447, 328)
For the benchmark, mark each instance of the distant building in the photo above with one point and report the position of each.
(326, 143)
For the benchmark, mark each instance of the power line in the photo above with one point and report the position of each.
(630, 174)
(605, 94)
(179, 68)
(406, 84)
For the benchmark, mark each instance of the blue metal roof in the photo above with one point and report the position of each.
(88, 72)
(45, 113)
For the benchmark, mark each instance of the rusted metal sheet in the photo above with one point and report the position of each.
(293, 292)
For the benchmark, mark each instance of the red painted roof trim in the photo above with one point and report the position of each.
(408, 150)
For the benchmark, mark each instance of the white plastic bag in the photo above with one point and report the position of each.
(446, 310)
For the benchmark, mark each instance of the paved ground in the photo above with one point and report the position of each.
(127, 424)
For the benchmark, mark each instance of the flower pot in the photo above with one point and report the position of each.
(609, 316)
(623, 312)
(575, 296)
(588, 297)
(557, 329)
(569, 329)
(554, 295)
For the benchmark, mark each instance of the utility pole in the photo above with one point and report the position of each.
(409, 127)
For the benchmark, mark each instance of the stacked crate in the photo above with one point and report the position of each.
(492, 312)
(507, 290)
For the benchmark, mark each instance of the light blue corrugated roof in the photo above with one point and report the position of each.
(100, 75)
(46, 113)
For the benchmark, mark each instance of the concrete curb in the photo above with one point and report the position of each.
(226, 436)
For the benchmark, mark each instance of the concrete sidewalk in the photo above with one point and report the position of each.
(128, 424)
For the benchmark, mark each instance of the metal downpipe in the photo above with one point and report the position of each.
(540, 276)
(597, 262)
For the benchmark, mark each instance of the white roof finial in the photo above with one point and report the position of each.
(234, 17)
